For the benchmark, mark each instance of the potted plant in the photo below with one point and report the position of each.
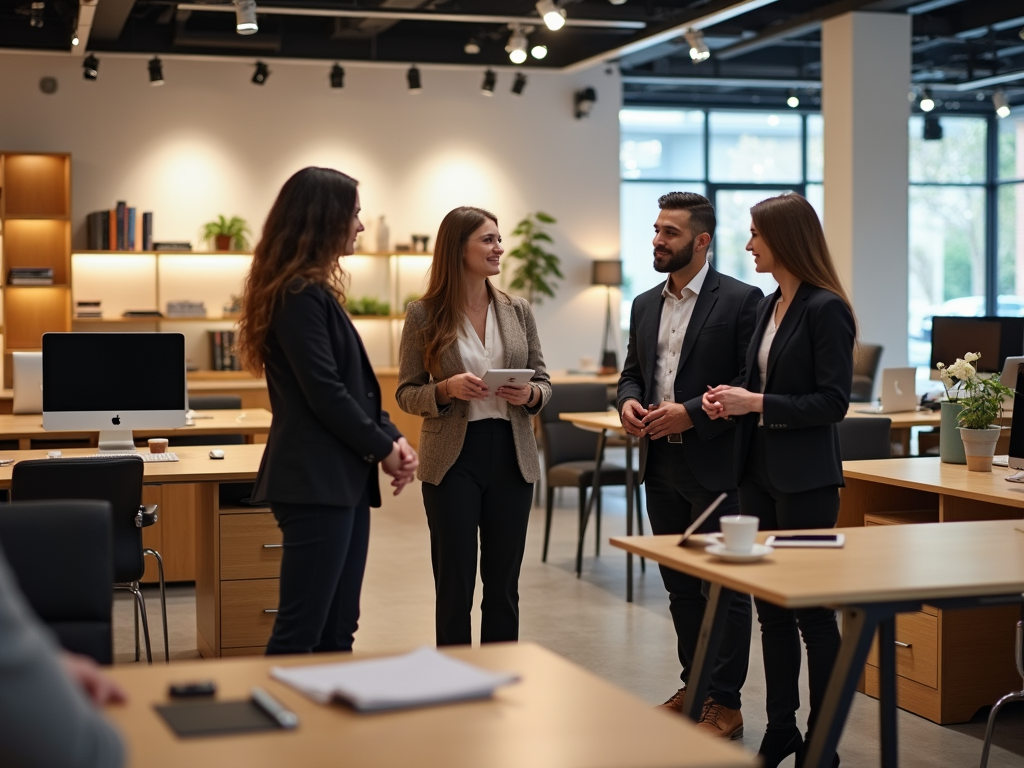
(227, 234)
(536, 267)
(981, 403)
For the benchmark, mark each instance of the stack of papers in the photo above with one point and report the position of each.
(416, 679)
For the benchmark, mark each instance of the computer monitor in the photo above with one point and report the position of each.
(1016, 458)
(114, 383)
(996, 338)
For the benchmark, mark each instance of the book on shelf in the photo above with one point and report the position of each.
(30, 276)
(169, 245)
(185, 308)
(121, 212)
(147, 231)
(222, 351)
(131, 244)
(98, 226)
(141, 313)
(88, 309)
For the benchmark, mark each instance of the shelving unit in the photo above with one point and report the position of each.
(35, 231)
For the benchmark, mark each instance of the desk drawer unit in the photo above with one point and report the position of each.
(250, 546)
(917, 648)
(248, 608)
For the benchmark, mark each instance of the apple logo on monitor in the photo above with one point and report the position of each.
(116, 420)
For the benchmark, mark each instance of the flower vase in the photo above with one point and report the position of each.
(951, 447)
(980, 447)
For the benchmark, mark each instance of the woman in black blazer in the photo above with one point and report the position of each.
(795, 389)
(319, 469)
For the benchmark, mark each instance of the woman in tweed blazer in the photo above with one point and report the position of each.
(478, 456)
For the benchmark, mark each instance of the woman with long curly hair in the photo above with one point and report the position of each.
(796, 388)
(479, 453)
(319, 469)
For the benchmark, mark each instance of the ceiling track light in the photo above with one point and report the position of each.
(539, 51)
(517, 44)
(261, 74)
(90, 67)
(793, 101)
(932, 128)
(337, 76)
(1001, 104)
(413, 78)
(554, 17)
(519, 84)
(584, 102)
(245, 17)
(156, 71)
(927, 102)
(699, 50)
(472, 47)
(490, 80)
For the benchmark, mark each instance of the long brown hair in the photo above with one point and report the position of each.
(303, 236)
(790, 227)
(445, 298)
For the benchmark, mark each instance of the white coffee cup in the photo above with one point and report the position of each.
(738, 532)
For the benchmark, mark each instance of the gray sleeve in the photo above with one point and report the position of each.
(45, 720)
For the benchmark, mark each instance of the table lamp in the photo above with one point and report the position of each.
(608, 274)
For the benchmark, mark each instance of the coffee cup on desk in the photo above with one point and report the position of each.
(158, 445)
(738, 532)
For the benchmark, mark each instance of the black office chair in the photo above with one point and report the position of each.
(117, 480)
(60, 553)
(231, 494)
(864, 438)
(569, 455)
(866, 358)
(1012, 696)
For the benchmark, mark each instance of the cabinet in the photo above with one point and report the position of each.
(35, 231)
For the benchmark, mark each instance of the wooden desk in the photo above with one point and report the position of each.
(969, 653)
(605, 423)
(557, 716)
(882, 571)
(222, 549)
(250, 422)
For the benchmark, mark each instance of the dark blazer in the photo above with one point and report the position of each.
(810, 370)
(713, 351)
(328, 431)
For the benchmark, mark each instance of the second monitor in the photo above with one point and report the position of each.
(995, 338)
(114, 383)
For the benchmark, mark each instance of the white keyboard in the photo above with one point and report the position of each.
(168, 456)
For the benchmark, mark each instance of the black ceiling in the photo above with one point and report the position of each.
(757, 55)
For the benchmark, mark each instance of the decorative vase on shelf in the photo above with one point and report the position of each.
(383, 236)
(951, 447)
(980, 447)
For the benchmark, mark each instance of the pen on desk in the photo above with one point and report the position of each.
(284, 717)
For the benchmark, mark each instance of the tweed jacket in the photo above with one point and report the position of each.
(444, 427)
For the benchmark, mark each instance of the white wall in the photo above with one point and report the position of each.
(210, 142)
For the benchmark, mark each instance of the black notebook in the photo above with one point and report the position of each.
(216, 718)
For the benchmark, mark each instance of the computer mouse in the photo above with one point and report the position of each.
(216, 453)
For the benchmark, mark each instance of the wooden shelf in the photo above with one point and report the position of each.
(102, 320)
(378, 317)
(36, 185)
(85, 252)
(384, 254)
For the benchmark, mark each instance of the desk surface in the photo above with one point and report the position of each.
(882, 563)
(194, 465)
(930, 474)
(251, 421)
(903, 420)
(595, 420)
(558, 716)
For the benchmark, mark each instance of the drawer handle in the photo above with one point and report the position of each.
(904, 645)
(270, 610)
(272, 546)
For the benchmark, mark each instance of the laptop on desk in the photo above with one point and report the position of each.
(897, 393)
(28, 382)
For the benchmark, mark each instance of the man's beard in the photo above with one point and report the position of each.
(679, 259)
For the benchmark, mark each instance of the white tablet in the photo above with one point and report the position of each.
(813, 540)
(507, 377)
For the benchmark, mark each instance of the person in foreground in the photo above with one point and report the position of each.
(49, 697)
(319, 470)
(796, 388)
(479, 453)
(692, 329)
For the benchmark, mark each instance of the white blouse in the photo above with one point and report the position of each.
(481, 357)
(762, 352)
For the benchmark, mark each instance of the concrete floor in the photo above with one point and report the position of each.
(586, 620)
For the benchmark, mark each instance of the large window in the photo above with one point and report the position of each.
(1010, 206)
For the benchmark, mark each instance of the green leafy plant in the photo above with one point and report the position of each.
(982, 399)
(367, 305)
(236, 228)
(536, 267)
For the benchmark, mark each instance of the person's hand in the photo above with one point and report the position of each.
(100, 689)
(516, 395)
(466, 386)
(632, 417)
(399, 465)
(667, 419)
(729, 401)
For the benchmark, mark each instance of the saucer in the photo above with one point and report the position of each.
(719, 550)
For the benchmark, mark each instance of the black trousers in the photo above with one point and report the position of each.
(781, 628)
(483, 491)
(675, 498)
(322, 566)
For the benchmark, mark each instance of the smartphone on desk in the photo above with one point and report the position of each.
(827, 540)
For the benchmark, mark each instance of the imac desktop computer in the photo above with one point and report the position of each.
(1015, 460)
(114, 383)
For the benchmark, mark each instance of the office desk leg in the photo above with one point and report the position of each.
(708, 642)
(590, 502)
(887, 690)
(629, 517)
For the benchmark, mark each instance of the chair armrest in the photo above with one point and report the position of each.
(146, 516)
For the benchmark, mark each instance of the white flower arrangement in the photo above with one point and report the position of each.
(982, 399)
(959, 378)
